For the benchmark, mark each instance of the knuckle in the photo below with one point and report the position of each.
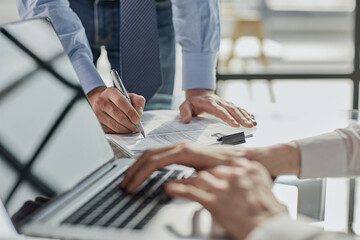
(183, 143)
(230, 103)
(239, 111)
(119, 127)
(141, 99)
(152, 160)
(147, 152)
(150, 165)
(220, 170)
(182, 106)
(111, 109)
(201, 176)
(255, 165)
(98, 102)
(132, 115)
(203, 100)
(122, 118)
(209, 97)
(225, 188)
(185, 146)
(97, 112)
(230, 162)
(211, 101)
(233, 176)
(121, 100)
(197, 181)
(256, 168)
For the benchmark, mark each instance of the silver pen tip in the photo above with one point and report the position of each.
(143, 133)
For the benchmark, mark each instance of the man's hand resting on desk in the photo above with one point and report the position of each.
(278, 159)
(114, 112)
(200, 101)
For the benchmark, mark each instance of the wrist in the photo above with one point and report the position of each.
(95, 91)
(284, 159)
(280, 159)
(198, 92)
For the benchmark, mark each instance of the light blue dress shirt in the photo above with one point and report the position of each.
(197, 30)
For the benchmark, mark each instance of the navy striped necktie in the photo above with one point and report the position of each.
(139, 47)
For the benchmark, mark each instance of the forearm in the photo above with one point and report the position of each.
(71, 33)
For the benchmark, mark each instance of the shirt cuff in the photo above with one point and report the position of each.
(199, 70)
(323, 156)
(87, 74)
(282, 227)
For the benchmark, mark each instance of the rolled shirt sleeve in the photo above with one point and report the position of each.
(335, 154)
(197, 30)
(282, 227)
(71, 33)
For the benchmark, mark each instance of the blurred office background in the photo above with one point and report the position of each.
(269, 37)
(288, 37)
(276, 36)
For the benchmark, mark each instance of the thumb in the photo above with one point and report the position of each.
(138, 102)
(186, 112)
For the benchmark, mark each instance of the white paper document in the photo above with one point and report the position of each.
(164, 127)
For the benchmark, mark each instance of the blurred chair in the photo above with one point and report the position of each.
(245, 26)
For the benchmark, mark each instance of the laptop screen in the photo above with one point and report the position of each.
(50, 138)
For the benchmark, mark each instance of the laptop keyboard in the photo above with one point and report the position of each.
(113, 207)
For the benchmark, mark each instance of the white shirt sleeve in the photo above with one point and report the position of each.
(335, 154)
(282, 227)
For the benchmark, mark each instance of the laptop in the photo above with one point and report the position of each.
(7, 229)
(52, 139)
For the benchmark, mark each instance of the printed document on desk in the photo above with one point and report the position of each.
(164, 127)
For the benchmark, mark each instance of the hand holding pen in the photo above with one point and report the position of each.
(120, 86)
(115, 113)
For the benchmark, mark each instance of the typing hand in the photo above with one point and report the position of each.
(205, 101)
(113, 110)
(238, 198)
(189, 154)
(278, 159)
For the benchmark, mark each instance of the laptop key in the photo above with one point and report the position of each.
(152, 213)
(136, 198)
(81, 213)
(113, 207)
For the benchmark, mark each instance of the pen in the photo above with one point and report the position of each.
(120, 86)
